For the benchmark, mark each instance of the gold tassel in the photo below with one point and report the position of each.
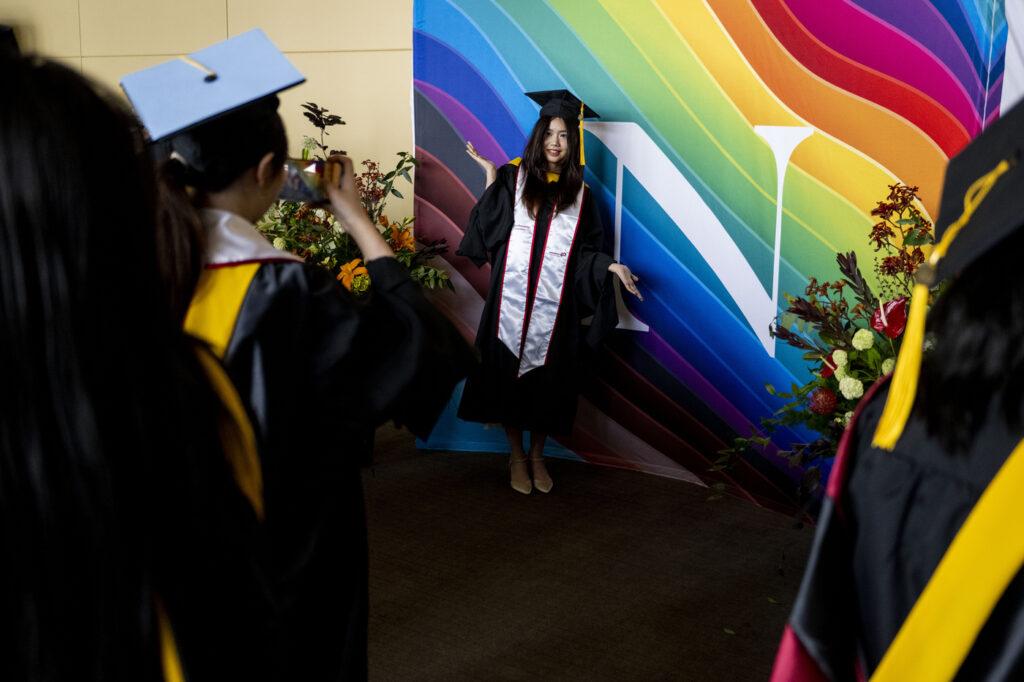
(583, 159)
(170, 661)
(908, 365)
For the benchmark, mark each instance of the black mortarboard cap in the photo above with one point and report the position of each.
(981, 205)
(561, 103)
(1001, 212)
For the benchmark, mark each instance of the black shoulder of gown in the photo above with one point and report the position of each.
(903, 509)
(390, 356)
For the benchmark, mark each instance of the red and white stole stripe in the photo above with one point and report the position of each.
(526, 322)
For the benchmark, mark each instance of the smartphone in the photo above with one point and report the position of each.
(304, 181)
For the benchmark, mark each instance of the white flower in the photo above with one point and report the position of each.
(847, 417)
(851, 388)
(888, 365)
(863, 339)
(840, 358)
(280, 243)
(840, 372)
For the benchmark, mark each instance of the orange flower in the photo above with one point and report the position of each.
(351, 270)
(383, 220)
(402, 240)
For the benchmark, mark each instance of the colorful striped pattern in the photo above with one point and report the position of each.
(891, 90)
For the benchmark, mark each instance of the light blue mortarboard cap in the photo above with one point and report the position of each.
(178, 94)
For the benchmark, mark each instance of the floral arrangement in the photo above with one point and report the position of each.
(849, 332)
(313, 234)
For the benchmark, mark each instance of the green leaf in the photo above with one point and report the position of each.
(770, 389)
(397, 193)
(916, 238)
(729, 631)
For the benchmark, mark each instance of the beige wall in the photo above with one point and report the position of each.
(356, 55)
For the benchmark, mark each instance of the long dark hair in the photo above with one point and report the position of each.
(976, 368)
(111, 475)
(207, 158)
(538, 190)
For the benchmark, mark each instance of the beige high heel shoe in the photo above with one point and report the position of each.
(541, 478)
(519, 476)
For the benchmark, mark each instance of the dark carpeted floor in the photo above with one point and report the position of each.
(614, 575)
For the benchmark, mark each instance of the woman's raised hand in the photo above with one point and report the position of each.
(489, 168)
(627, 278)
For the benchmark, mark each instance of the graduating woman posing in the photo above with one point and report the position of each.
(539, 229)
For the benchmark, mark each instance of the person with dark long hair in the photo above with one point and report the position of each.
(916, 570)
(130, 492)
(538, 227)
(317, 368)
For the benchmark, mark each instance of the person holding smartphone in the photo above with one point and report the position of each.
(316, 368)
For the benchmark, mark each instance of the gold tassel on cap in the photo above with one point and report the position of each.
(583, 159)
(908, 364)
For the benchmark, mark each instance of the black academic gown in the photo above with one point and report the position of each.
(888, 520)
(317, 369)
(545, 398)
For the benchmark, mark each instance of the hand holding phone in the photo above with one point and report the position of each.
(347, 206)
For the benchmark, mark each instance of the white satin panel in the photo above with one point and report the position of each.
(231, 238)
(515, 281)
(532, 346)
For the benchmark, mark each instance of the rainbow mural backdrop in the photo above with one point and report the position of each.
(742, 144)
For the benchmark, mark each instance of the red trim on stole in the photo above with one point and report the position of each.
(531, 294)
(231, 264)
(565, 276)
(839, 468)
(793, 663)
(504, 266)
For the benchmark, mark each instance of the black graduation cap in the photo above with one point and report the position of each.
(8, 42)
(561, 103)
(566, 106)
(982, 204)
(1002, 211)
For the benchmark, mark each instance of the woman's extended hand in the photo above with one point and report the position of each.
(627, 278)
(347, 207)
(489, 168)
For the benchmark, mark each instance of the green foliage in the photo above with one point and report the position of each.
(826, 319)
(313, 234)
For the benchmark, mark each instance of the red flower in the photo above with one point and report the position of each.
(891, 318)
(823, 401)
(828, 366)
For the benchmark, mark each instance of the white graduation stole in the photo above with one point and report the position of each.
(529, 337)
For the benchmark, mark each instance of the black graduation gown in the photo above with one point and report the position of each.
(545, 398)
(208, 576)
(317, 369)
(889, 519)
